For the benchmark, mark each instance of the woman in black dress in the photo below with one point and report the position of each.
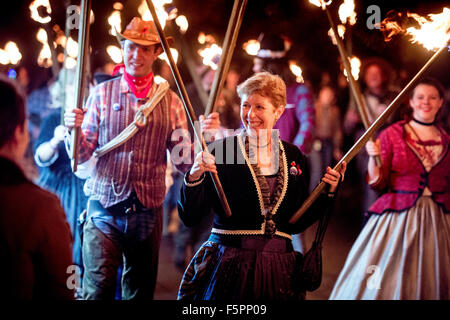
(249, 255)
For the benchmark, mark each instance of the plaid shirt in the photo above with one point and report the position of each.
(140, 163)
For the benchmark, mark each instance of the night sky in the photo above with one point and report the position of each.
(304, 23)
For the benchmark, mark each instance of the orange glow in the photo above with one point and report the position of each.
(432, 33)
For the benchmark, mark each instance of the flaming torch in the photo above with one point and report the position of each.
(187, 104)
(36, 8)
(11, 54)
(432, 33)
(443, 29)
(115, 53)
(161, 13)
(354, 86)
(297, 71)
(251, 47)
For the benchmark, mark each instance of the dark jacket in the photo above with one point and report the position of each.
(243, 193)
(35, 240)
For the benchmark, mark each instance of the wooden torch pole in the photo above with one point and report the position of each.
(83, 47)
(229, 43)
(187, 104)
(368, 134)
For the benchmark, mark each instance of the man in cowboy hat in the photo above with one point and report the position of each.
(129, 124)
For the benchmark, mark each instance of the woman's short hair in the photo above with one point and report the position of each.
(267, 85)
(12, 109)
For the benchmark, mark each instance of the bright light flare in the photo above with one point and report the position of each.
(297, 71)
(70, 63)
(341, 31)
(321, 3)
(35, 13)
(205, 38)
(211, 55)
(44, 58)
(251, 47)
(159, 8)
(72, 48)
(355, 64)
(347, 12)
(115, 21)
(174, 53)
(118, 6)
(182, 23)
(4, 57)
(432, 33)
(13, 52)
(115, 53)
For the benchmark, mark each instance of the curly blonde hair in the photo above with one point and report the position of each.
(266, 85)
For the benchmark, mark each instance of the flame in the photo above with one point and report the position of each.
(44, 58)
(174, 53)
(347, 12)
(297, 71)
(159, 8)
(205, 38)
(61, 39)
(117, 6)
(433, 31)
(35, 13)
(211, 55)
(115, 53)
(182, 23)
(251, 47)
(70, 63)
(115, 22)
(321, 3)
(355, 64)
(4, 57)
(72, 48)
(13, 52)
(341, 31)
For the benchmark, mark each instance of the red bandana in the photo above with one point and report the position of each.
(138, 85)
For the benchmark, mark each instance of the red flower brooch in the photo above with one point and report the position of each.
(295, 169)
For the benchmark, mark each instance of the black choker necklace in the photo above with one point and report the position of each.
(424, 123)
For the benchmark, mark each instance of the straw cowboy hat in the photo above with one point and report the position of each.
(142, 32)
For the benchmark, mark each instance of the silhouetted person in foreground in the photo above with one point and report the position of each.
(35, 240)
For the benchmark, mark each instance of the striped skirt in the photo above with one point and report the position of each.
(399, 256)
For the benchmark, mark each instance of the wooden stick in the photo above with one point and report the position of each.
(187, 104)
(231, 35)
(191, 66)
(395, 104)
(354, 86)
(83, 47)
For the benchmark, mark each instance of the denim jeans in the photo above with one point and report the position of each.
(110, 239)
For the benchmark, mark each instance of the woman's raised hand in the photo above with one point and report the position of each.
(204, 161)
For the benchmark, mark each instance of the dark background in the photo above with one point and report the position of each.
(304, 23)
